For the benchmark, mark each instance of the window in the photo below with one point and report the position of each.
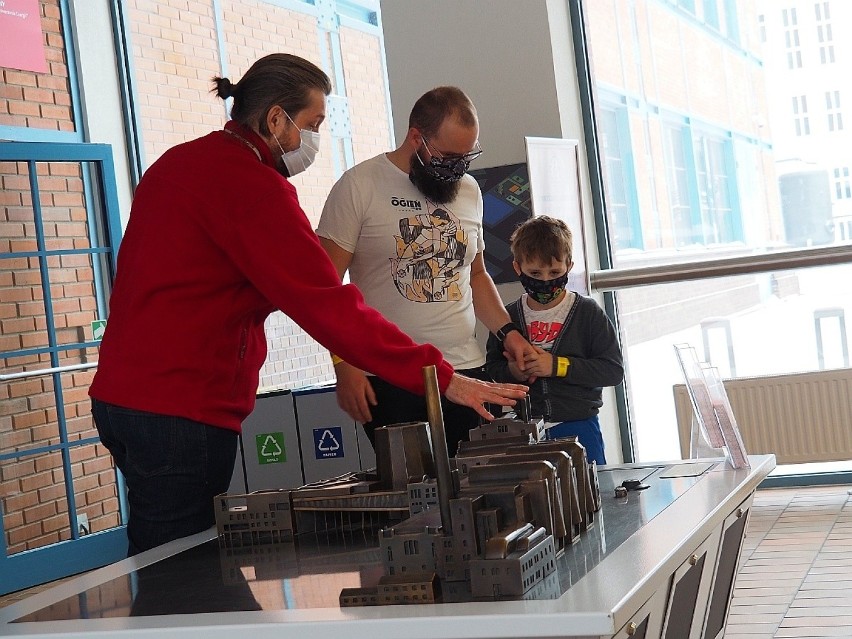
(677, 179)
(832, 108)
(718, 224)
(711, 13)
(618, 177)
(842, 185)
(791, 39)
(712, 156)
(800, 115)
(824, 34)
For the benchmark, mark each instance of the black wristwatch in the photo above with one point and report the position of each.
(503, 331)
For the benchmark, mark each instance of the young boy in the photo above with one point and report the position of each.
(577, 346)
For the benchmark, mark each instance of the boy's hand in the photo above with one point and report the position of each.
(516, 349)
(516, 372)
(538, 363)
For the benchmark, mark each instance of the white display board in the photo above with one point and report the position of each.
(555, 187)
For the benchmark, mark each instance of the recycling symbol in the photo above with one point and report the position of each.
(270, 448)
(328, 442)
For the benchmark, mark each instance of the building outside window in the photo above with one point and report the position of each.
(832, 108)
(800, 115)
(707, 151)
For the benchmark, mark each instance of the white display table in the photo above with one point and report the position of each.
(658, 563)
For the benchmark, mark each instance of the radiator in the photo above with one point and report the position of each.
(800, 418)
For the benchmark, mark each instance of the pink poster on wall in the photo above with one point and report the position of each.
(21, 40)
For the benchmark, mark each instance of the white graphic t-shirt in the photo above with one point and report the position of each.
(543, 326)
(411, 258)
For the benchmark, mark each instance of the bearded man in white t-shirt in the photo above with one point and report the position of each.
(407, 225)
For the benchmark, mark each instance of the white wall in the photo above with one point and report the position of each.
(99, 88)
(515, 60)
(488, 49)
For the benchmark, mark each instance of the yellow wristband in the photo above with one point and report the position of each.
(335, 360)
(562, 364)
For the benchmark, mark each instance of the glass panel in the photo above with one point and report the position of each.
(63, 207)
(724, 158)
(95, 488)
(719, 137)
(28, 413)
(74, 305)
(746, 326)
(35, 509)
(20, 278)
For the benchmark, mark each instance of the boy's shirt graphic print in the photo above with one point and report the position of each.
(543, 334)
(544, 326)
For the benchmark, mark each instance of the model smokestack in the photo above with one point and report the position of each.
(439, 445)
(522, 409)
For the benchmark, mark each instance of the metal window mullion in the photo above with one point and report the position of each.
(92, 224)
(593, 160)
(52, 253)
(50, 448)
(129, 93)
(39, 351)
(51, 340)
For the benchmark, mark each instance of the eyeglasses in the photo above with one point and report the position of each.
(457, 164)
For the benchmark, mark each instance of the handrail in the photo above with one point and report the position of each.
(47, 371)
(614, 279)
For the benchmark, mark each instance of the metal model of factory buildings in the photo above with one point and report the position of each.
(491, 522)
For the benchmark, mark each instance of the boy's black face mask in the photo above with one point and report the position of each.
(544, 291)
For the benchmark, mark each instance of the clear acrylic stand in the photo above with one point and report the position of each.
(714, 431)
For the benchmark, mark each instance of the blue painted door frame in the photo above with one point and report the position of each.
(80, 553)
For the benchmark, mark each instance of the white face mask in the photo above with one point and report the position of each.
(302, 157)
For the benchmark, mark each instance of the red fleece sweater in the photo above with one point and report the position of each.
(217, 241)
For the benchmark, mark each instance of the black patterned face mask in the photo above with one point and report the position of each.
(544, 291)
(450, 169)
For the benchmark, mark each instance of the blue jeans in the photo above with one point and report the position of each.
(173, 468)
(588, 433)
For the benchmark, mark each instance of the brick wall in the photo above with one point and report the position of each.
(366, 91)
(174, 57)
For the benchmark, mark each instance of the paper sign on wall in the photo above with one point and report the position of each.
(21, 37)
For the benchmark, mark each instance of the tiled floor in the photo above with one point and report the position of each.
(795, 578)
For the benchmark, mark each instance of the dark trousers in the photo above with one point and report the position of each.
(173, 468)
(396, 406)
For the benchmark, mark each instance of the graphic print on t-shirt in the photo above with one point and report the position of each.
(430, 250)
(543, 334)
